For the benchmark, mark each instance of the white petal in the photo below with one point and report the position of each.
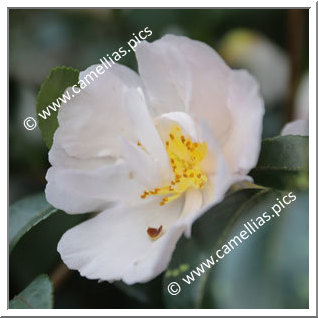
(302, 99)
(146, 132)
(90, 123)
(210, 163)
(114, 245)
(68, 200)
(180, 74)
(142, 165)
(72, 186)
(81, 191)
(296, 127)
(192, 204)
(165, 76)
(59, 158)
(128, 77)
(242, 146)
(165, 122)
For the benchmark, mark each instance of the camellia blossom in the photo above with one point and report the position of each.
(151, 153)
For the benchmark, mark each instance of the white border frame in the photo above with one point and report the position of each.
(312, 151)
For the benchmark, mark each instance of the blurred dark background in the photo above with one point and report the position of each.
(271, 43)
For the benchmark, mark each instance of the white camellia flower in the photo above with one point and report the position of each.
(245, 48)
(296, 127)
(151, 153)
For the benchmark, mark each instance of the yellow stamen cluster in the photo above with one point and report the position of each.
(185, 158)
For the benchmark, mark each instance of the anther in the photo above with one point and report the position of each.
(154, 233)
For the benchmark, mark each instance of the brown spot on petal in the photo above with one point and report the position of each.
(154, 233)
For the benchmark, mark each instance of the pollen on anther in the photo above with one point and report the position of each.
(163, 201)
(171, 136)
(139, 143)
(182, 139)
(199, 175)
(167, 143)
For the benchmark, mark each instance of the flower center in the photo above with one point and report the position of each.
(185, 158)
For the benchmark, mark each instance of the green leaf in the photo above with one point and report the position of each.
(271, 269)
(275, 268)
(25, 214)
(38, 295)
(51, 89)
(283, 163)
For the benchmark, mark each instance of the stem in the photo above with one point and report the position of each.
(295, 34)
(59, 275)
